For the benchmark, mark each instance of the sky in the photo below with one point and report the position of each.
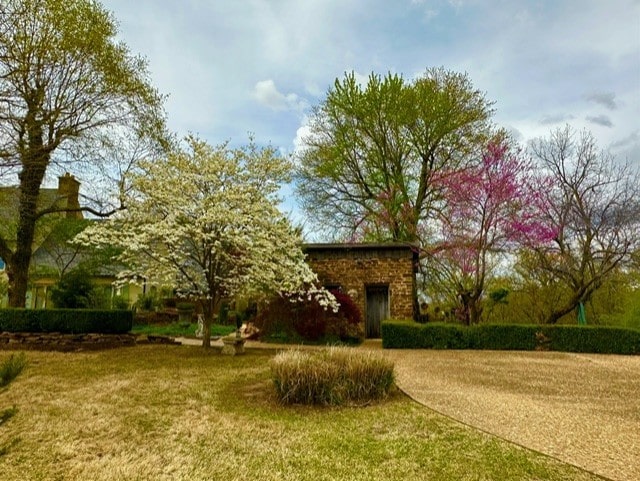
(234, 67)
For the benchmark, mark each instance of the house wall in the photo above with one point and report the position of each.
(353, 269)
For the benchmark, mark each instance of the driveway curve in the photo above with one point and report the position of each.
(583, 409)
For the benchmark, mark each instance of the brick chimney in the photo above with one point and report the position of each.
(69, 189)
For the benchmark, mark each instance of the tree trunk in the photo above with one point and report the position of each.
(35, 160)
(18, 277)
(583, 295)
(475, 310)
(465, 299)
(208, 310)
(557, 314)
(206, 332)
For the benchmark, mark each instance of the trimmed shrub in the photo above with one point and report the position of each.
(442, 336)
(66, 321)
(157, 317)
(308, 321)
(588, 339)
(594, 339)
(332, 376)
(401, 334)
(74, 290)
(511, 337)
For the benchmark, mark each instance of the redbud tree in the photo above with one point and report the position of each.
(488, 209)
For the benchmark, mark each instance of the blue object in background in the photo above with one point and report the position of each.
(582, 317)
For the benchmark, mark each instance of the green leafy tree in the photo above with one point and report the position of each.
(65, 85)
(368, 167)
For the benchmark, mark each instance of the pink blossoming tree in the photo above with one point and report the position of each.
(487, 210)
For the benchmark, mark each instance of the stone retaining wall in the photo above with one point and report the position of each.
(55, 341)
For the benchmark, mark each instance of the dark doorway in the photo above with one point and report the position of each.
(377, 309)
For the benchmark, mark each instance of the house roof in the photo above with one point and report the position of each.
(365, 249)
(360, 245)
(64, 196)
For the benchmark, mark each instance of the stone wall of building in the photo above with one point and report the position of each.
(354, 268)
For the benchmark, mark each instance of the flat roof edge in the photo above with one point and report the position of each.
(364, 245)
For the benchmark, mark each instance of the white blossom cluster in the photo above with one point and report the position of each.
(205, 220)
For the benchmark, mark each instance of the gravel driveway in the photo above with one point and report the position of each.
(581, 408)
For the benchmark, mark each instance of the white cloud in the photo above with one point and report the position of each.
(266, 92)
(627, 149)
(361, 79)
(299, 144)
(313, 89)
(430, 14)
(544, 63)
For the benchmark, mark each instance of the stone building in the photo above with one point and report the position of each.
(380, 278)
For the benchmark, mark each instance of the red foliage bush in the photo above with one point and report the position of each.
(310, 321)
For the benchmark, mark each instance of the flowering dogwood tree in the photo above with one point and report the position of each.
(205, 220)
(487, 209)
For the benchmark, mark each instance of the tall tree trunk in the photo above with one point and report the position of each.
(208, 310)
(465, 300)
(475, 310)
(35, 160)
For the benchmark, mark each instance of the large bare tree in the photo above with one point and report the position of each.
(594, 204)
(64, 83)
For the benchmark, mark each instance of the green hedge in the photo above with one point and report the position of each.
(592, 339)
(66, 321)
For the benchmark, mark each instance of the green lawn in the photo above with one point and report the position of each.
(180, 413)
(177, 329)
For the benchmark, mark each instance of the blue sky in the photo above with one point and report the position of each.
(233, 67)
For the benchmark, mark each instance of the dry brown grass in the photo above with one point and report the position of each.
(179, 413)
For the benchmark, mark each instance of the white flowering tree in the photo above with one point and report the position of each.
(205, 220)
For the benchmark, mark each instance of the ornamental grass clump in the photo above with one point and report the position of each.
(333, 376)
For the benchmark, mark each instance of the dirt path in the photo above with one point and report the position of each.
(582, 409)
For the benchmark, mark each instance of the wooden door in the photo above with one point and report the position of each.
(377, 309)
